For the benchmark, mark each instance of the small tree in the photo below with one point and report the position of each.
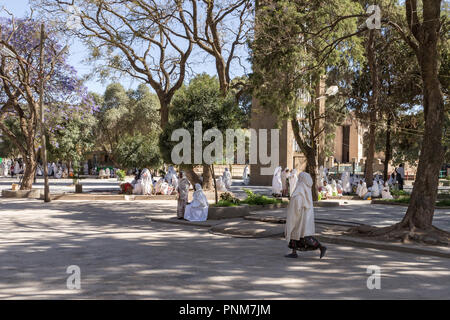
(201, 101)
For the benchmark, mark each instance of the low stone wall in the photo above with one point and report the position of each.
(23, 194)
(218, 213)
(109, 197)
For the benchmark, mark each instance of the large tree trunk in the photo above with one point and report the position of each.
(192, 176)
(373, 103)
(421, 207)
(30, 171)
(311, 168)
(207, 178)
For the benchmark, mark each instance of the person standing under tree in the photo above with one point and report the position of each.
(400, 176)
(183, 194)
(300, 227)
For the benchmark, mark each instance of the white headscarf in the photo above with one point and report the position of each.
(292, 181)
(199, 199)
(303, 187)
(146, 177)
(276, 181)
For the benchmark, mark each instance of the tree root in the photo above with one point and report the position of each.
(402, 232)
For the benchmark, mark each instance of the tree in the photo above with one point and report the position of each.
(128, 37)
(128, 126)
(289, 65)
(201, 101)
(20, 77)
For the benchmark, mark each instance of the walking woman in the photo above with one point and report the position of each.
(300, 226)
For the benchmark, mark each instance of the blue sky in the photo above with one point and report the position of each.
(20, 8)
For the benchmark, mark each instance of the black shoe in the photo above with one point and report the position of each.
(291, 255)
(323, 250)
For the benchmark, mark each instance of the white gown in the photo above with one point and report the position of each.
(245, 176)
(375, 190)
(197, 210)
(385, 192)
(227, 178)
(292, 181)
(220, 185)
(276, 181)
(300, 213)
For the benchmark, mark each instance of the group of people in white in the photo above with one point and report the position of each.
(284, 183)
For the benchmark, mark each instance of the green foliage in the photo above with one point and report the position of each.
(443, 203)
(399, 193)
(121, 174)
(72, 140)
(202, 101)
(257, 199)
(128, 126)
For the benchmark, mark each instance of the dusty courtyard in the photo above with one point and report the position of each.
(122, 254)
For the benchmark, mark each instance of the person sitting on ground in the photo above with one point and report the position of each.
(147, 185)
(362, 190)
(197, 210)
(300, 227)
(385, 192)
(276, 183)
(183, 195)
(375, 190)
(220, 185)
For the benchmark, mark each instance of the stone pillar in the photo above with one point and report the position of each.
(261, 118)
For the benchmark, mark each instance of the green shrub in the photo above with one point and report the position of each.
(257, 199)
(121, 175)
(443, 203)
(399, 193)
(228, 197)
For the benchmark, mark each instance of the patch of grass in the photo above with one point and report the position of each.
(443, 203)
(399, 193)
(257, 199)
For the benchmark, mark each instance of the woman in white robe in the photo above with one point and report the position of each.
(147, 184)
(284, 184)
(292, 181)
(197, 210)
(334, 191)
(276, 182)
(58, 173)
(385, 192)
(346, 185)
(16, 168)
(375, 189)
(245, 176)
(227, 178)
(220, 185)
(300, 227)
(54, 168)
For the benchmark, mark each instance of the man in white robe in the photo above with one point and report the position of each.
(227, 178)
(292, 181)
(276, 182)
(183, 194)
(197, 210)
(300, 227)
